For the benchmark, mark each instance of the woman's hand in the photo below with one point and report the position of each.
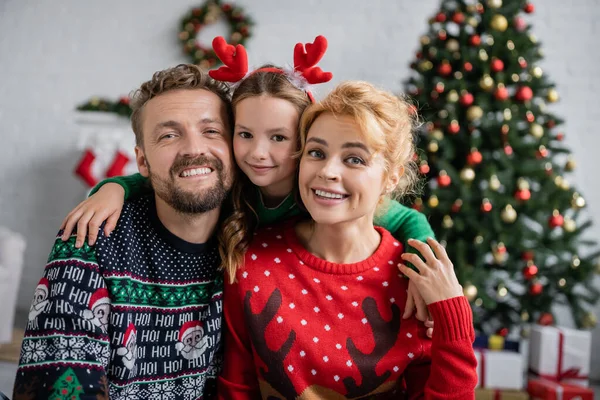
(105, 204)
(436, 279)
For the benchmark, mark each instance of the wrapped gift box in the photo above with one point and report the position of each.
(547, 390)
(497, 394)
(495, 342)
(499, 370)
(560, 354)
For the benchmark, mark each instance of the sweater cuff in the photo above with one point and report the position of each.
(453, 319)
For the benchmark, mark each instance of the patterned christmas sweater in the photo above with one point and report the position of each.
(299, 327)
(138, 316)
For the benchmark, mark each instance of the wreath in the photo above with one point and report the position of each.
(240, 30)
(120, 107)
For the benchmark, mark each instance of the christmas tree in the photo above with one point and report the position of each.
(496, 165)
(66, 387)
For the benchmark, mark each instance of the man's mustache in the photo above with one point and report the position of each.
(182, 163)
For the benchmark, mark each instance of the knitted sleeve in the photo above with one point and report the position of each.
(134, 185)
(447, 368)
(65, 352)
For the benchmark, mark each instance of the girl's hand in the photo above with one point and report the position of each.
(105, 204)
(436, 279)
(414, 299)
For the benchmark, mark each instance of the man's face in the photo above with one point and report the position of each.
(187, 150)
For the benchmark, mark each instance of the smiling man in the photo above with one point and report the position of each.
(138, 314)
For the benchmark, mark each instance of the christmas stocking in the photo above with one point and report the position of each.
(84, 168)
(118, 165)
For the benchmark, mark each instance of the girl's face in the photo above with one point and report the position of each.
(265, 138)
(341, 179)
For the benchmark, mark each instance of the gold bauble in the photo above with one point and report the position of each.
(522, 184)
(494, 182)
(479, 302)
(452, 96)
(437, 134)
(470, 291)
(452, 45)
(524, 316)
(526, 330)
(425, 65)
(433, 201)
(509, 214)
(478, 239)
(472, 21)
(552, 96)
(447, 222)
(499, 23)
(443, 114)
(570, 164)
(536, 130)
(184, 35)
(433, 146)
(432, 52)
(515, 77)
(474, 113)
(486, 83)
(562, 282)
(494, 3)
(569, 225)
(589, 320)
(483, 55)
(510, 45)
(577, 202)
(575, 262)
(564, 184)
(537, 72)
(458, 75)
(502, 291)
(467, 174)
(507, 114)
(236, 37)
(425, 40)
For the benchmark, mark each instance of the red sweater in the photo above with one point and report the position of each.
(301, 327)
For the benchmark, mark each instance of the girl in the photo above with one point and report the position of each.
(267, 105)
(315, 310)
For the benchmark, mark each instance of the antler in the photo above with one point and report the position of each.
(305, 60)
(234, 58)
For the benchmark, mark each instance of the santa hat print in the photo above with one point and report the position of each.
(43, 285)
(99, 297)
(130, 334)
(189, 327)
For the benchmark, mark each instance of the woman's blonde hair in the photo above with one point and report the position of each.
(237, 229)
(386, 122)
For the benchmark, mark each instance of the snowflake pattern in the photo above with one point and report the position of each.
(70, 348)
(162, 390)
(33, 351)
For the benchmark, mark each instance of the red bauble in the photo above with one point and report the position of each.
(424, 169)
(523, 194)
(542, 153)
(529, 8)
(546, 319)
(124, 100)
(536, 289)
(508, 150)
(530, 117)
(527, 255)
(556, 220)
(530, 271)
(475, 40)
(560, 136)
(501, 93)
(226, 7)
(497, 65)
(445, 69)
(502, 332)
(522, 63)
(419, 55)
(551, 123)
(417, 207)
(454, 128)
(442, 35)
(468, 67)
(456, 206)
(444, 180)
(458, 18)
(486, 206)
(474, 158)
(524, 93)
(439, 87)
(466, 99)
(440, 17)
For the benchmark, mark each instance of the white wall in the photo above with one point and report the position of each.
(55, 54)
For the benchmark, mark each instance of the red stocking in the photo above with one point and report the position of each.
(118, 165)
(84, 168)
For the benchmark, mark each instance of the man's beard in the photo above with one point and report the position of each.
(192, 202)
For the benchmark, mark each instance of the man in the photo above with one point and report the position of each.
(138, 315)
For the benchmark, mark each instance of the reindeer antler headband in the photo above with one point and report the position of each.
(306, 57)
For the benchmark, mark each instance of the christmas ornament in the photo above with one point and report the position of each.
(439, 87)
(425, 40)
(466, 99)
(432, 147)
(474, 113)
(445, 68)
(502, 291)
(486, 83)
(551, 123)
(437, 134)
(523, 194)
(522, 62)
(536, 289)
(575, 262)
(240, 27)
(468, 67)
(470, 292)
(524, 93)
(494, 3)
(546, 319)
(577, 202)
(530, 271)
(474, 157)
(569, 225)
(483, 55)
(467, 174)
(519, 24)
(472, 21)
(475, 40)
(447, 222)
(537, 72)
(589, 320)
(452, 96)
(494, 182)
(556, 219)
(424, 168)
(552, 96)
(502, 332)
(452, 45)
(440, 17)
(486, 205)
(549, 168)
(570, 164)
(499, 253)
(562, 282)
(527, 255)
(536, 130)
(524, 316)
(418, 204)
(530, 117)
(501, 93)
(504, 129)
(510, 45)
(425, 66)
(542, 152)
(454, 128)
(499, 23)
(456, 206)
(514, 77)
(458, 18)
(433, 202)
(509, 214)
(529, 8)
(444, 179)
(507, 114)
(478, 239)
(508, 150)
(442, 35)
(497, 65)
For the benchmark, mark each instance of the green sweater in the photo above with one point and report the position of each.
(403, 222)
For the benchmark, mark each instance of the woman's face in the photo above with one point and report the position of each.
(341, 178)
(265, 139)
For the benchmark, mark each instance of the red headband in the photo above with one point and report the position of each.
(306, 57)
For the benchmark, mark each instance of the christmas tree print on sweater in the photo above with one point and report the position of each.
(304, 328)
(138, 316)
